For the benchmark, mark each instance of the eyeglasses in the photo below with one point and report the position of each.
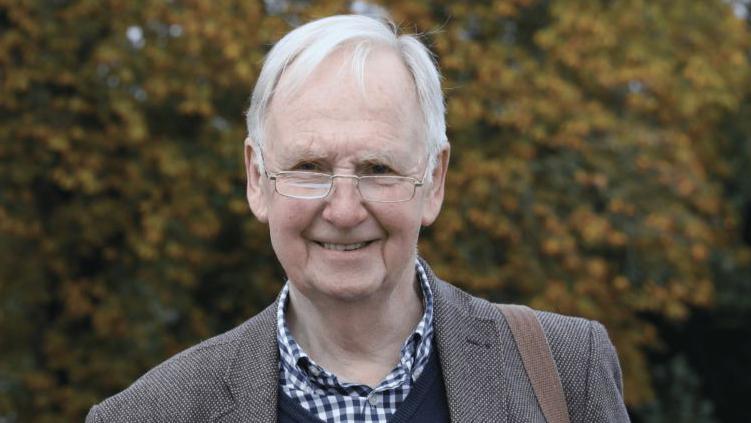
(313, 185)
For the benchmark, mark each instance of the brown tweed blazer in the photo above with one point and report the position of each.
(233, 377)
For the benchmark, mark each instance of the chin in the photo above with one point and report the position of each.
(348, 288)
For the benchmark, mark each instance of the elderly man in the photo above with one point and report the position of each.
(346, 159)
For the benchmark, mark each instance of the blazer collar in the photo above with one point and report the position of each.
(469, 347)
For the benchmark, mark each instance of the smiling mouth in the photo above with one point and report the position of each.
(343, 247)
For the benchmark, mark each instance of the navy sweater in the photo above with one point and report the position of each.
(426, 401)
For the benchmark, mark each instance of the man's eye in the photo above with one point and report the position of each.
(307, 167)
(379, 169)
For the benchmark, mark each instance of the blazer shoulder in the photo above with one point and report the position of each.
(567, 333)
(576, 342)
(588, 365)
(188, 386)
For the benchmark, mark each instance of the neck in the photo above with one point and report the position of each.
(359, 341)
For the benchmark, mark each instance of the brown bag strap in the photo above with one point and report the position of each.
(538, 361)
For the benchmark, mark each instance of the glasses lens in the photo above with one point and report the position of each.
(303, 185)
(388, 189)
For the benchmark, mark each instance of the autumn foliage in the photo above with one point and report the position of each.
(600, 154)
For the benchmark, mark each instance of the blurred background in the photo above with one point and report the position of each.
(600, 167)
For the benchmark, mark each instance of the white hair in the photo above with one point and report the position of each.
(308, 45)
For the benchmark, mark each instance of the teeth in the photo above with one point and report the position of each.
(343, 247)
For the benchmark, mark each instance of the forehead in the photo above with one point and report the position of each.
(335, 112)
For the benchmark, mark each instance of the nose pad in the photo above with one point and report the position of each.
(344, 205)
(354, 184)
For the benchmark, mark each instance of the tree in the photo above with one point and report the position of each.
(592, 174)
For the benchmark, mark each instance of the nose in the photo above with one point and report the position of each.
(344, 206)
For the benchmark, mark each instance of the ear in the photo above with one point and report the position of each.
(255, 190)
(434, 199)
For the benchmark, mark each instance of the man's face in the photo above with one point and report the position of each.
(342, 247)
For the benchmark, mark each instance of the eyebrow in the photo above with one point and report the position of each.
(312, 154)
(380, 157)
(295, 156)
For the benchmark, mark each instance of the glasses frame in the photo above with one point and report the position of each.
(415, 183)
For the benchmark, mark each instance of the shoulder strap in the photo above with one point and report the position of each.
(538, 361)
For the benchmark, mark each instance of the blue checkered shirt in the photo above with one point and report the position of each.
(332, 400)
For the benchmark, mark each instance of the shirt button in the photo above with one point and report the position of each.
(373, 400)
(315, 372)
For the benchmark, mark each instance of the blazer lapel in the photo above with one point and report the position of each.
(253, 376)
(471, 357)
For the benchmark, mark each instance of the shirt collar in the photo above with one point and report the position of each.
(412, 359)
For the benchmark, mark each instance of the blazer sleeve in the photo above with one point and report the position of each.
(604, 390)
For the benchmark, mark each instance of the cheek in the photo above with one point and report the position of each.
(403, 226)
(287, 222)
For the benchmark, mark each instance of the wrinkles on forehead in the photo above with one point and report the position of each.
(394, 96)
(349, 63)
(399, 157)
